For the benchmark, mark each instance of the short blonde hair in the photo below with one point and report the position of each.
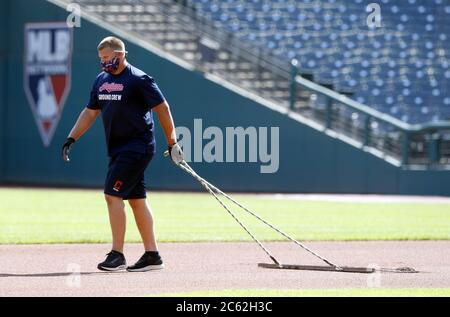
(112, 42)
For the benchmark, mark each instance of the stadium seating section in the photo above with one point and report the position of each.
(401, 68)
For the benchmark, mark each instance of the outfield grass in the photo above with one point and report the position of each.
(77, 216)
(375, 292)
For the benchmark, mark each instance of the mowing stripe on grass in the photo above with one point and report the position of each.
(80, 216)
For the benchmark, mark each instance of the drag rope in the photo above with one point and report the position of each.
(211, 188)
(206, 186)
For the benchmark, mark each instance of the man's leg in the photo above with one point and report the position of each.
(144, 221)
(117, 219)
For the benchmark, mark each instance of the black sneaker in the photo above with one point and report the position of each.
(149, 261)
(115, 261)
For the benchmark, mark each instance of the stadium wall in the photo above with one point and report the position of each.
(309, 161)
(3, 82)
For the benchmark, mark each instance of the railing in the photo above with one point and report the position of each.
(279, 80)
(246, 58)
(418, 144)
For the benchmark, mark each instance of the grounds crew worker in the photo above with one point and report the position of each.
(126, 97)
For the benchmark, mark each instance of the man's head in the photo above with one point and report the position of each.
(112, 54)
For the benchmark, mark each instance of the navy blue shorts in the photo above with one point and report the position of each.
(125, 177)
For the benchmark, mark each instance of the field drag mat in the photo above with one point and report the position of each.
(341, 269)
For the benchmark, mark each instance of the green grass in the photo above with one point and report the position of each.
(74, 216)
(375, 292)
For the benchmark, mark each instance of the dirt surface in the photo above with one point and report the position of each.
(48, 270)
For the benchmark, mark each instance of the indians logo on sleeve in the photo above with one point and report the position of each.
(47, 73)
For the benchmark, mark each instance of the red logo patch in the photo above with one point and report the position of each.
(117, 186)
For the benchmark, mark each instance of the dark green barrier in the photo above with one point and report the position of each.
(3, 82)
(310, 161)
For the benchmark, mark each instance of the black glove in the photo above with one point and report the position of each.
(66, 149)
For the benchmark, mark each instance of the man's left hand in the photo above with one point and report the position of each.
(67, 146)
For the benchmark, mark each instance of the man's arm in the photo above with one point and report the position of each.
(166, 120)
(85, 121)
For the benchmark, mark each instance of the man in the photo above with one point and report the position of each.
(126, 98)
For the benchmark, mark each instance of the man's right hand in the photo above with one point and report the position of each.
(66, 149)
(176, 154)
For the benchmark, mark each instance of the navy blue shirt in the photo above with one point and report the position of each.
(125, 101)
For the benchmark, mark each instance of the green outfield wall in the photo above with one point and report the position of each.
(309, 161)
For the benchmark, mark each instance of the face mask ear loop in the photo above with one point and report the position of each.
(124, 52)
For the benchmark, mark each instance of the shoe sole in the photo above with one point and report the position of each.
(147, 268)
(112, 269)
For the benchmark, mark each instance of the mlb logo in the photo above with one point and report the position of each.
(47, 73)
